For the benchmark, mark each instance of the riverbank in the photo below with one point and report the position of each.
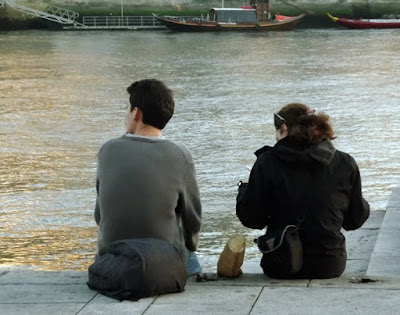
(369, 285)
(315, 10)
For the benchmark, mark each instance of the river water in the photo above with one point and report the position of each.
(63, 94)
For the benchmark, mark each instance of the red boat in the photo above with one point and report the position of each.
(366, 23)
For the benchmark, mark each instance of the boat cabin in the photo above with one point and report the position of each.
(233, 15)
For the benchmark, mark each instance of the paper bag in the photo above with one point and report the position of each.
(232, 256)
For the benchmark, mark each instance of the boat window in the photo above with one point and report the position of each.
(233, 16)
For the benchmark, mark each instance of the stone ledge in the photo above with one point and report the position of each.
(385, 258)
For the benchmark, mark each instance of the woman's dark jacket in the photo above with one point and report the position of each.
(315, 184)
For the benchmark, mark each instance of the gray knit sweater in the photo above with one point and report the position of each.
(146, 187)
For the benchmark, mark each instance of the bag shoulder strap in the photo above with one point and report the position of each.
(272, 240)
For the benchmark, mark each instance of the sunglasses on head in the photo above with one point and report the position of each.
(278, 120)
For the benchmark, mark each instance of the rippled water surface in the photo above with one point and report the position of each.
(62, 94)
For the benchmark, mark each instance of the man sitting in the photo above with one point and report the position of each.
(146, 184)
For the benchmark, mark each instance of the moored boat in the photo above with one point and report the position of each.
(366, 23)
(232, 19)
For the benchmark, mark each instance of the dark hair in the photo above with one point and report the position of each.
(303, 125)
(154, 99)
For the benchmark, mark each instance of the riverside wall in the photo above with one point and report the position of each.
(11, 19)
(6, 11)
(317, 9)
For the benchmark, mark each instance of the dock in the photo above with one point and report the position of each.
(369, 285)
(69, 20)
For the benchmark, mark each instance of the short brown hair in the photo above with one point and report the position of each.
(154, 99)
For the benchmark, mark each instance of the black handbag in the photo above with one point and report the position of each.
(282, 251)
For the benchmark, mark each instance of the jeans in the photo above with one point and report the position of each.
(192, 264)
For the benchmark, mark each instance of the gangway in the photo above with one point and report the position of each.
(54, 14)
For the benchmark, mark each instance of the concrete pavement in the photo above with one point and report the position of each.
(370, 285)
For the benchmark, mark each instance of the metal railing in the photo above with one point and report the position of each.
(64, 13)
(65, 19)
(126, 21)
(120, 21)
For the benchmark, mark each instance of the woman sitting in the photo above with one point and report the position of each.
(303, 180)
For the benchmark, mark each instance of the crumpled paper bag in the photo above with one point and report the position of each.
(232, 256)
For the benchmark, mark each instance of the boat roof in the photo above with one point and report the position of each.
(232, 9)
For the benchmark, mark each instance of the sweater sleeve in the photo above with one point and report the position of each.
(358, 210)
(189, 205)
(251, 200)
